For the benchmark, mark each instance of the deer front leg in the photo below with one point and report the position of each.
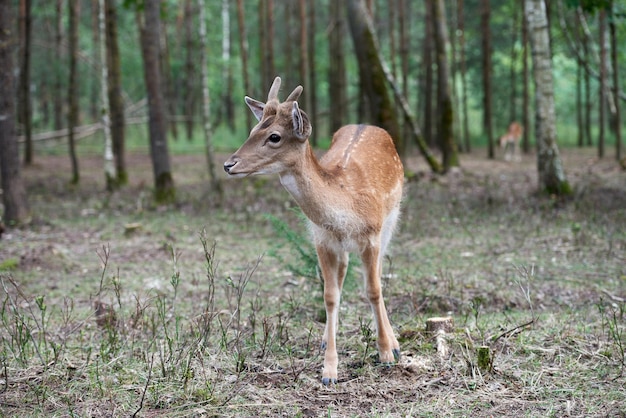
(388, 347)
(333, 268)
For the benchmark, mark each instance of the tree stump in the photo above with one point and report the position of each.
(439, 327)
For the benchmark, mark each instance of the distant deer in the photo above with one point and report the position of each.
(351, 197)
(510, 141)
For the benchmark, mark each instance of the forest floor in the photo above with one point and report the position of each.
(112, 306)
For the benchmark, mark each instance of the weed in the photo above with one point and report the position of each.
(612, 315)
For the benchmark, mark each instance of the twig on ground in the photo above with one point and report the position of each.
(514, 329)
(145, 389)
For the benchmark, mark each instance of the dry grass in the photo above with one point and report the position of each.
(100, 320)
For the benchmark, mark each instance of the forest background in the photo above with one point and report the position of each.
(486, 57)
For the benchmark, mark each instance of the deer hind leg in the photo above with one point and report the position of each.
(333, 265)
(388, 347)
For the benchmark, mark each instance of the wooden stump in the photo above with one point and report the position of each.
(439, 327)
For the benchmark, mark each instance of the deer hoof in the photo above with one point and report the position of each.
(328, 380)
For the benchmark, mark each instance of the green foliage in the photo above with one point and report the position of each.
(303, 257)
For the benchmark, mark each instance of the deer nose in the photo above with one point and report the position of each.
(230, 164)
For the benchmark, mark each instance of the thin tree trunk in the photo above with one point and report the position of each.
(262, 35)
(25, 108)
(227, 74)
(485, 13)
(579, 104)
(109, 164)
(164, 190)
(168, 83)
(446, 112)
(454, 88)
(58, 73)
(267, 41)
(16, 210)
(461, 28)
(72, 93)
(588, 104)
(525, 86)
(403, 24)
(551, 176)
(304, 59)
(206, 121)
(190, 73)
(116, 102)
(614, 63)
(512, 74)
(603, 85)
(95, 86)
(391, 24)
(243, 47)
(428, 78)
(312, 94)
(337, 68)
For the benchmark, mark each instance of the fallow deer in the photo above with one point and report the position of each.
(510, 141)
(351, 197)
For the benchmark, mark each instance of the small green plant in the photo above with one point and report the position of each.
(305, 264)
(612, 316)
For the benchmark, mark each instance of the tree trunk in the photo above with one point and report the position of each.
(461, 26)
(371, 73)
(72, 93)
(512, 74)
(58, 74)
(14, 198)
(551, 176)
(227, 74)
(95, 86)
(525, 87)
(150, 37)
(618, 119)
(266, 38)
(206, 121)
(312, 94)
(404, 51)
(303, 68)
(25, 108)
(169, 92)
(337, 66)
(603, 84)
(110, 175)
(485, 13)
(579, 104)
(116, 102)
(446, 112)
(243, 50)
(190, 73)
(427, 98)
(588, 104)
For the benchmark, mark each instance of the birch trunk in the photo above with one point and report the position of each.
(551, 175)
(206, 122)
(110, 174)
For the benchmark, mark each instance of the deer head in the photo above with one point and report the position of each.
(277, 141)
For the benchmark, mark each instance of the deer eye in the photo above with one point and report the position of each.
(274, 138)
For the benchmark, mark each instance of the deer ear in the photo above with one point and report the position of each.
(256, 107)
(301, 124)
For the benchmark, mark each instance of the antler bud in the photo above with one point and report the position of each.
(273, 94)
